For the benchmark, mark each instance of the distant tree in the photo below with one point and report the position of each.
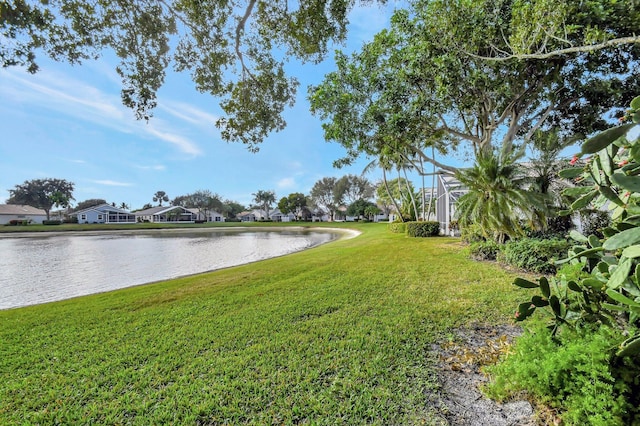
(42, 194)
(399, 192)
(371, 211)
(264, 199)
(231, 208)
(206, 201)
(357, 208)
(159, 197)
(295, 203)
(181, 200)
(124, 206)
(353, 188)
(146, 206)
(89, 203)
(325, 195)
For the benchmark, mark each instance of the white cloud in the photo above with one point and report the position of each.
(189, 113)
(71, 97)
(286, 183)
(107, 182)
(157, 167)
(182, 143)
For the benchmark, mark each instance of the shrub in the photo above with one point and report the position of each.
(485, 250)
(19, 222)
(570, 372)
(423, 229)
(535, 255)
(472, 234)
(71, 219)
(398, 227)
(51, 222)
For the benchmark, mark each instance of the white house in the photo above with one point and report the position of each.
(163, 214)
(209, 216)
(9, 212)
(252, 215)
(104, 213)
(278, 216)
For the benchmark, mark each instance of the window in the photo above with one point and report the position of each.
(83, 216)
(99, 217)
(217, 218)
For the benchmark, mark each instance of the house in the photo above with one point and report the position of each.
(278, 216)
(104, 213)
(163, 214)
(252, 215)
(206, 216)
(9, 212)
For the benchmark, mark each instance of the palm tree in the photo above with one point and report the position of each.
(499, 197)
(264, 199)
(159, 197)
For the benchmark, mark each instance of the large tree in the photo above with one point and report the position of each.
(42, 194)
(353, 188)
(295, 203)
(326, 195)
(234, 50)
(425, 82)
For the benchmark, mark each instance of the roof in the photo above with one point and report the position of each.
(20, 210)
(102, 208)
(158, 210)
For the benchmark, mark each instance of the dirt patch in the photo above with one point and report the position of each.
(459, 400)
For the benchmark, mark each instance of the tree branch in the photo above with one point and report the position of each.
(559, 52)
(239, 31)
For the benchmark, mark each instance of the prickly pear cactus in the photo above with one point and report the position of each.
(608, 290)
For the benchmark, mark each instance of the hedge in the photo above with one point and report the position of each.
(423, 229)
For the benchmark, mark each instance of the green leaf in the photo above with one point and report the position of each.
(605, 162)
(574, 286)
(544, 287)
(584, 201)
(521, 282)
(594, 241)
(555, 305)
(604, 139)
(611, 195)
(632, 251)
(630, 183)
(593, 283)
(635, 103)
(629, 347)
(577, 191)
(539, 302)
(621, 298)
(571, 173)
(577, 236)
(620, 275)
(622, 239)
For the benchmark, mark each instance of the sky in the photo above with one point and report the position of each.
(68, 122)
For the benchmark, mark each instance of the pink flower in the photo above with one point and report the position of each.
(623, 162)
(574, 160)
(622, 119)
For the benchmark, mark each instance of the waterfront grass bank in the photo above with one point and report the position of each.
(341, 333)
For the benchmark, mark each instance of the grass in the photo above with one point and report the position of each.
(339, 334)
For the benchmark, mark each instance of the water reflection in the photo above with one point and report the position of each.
(47, 268)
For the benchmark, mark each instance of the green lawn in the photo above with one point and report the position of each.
(339, 334)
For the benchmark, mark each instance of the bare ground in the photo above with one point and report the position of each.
(459, 400)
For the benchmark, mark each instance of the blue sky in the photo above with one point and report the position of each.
(68, 122)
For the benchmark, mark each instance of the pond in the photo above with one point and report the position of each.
(43, 268)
